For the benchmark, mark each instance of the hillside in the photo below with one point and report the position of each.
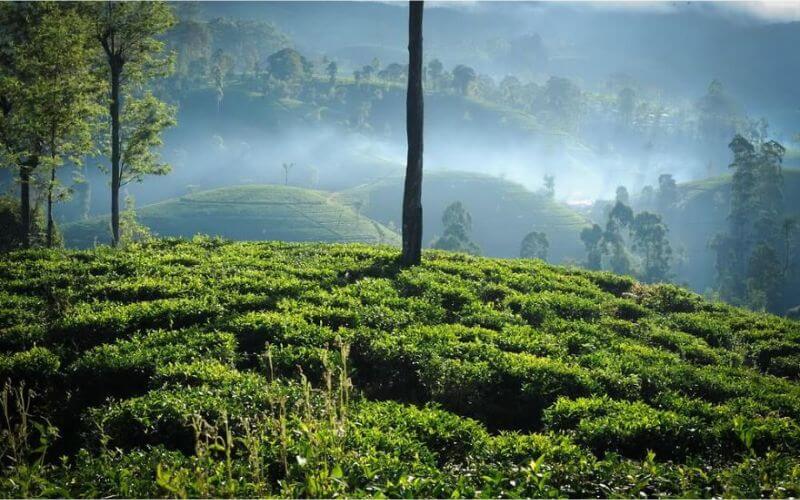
(703, 212)
(253, 212)
(208, 368)
(503, 212)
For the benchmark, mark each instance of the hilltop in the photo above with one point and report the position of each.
(503, 212)
(252, 212)
(213, 368)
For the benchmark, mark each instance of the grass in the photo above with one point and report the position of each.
(213, 368)
(503, 212)
(252, 212)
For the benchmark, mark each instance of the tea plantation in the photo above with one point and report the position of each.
(247, 212)
(211, 368)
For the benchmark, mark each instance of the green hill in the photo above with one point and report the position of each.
(211, 369)
(254, 212)
(503, 212)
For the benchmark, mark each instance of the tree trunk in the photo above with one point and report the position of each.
(25, 204)
(50, 224)
(116, 69)
(412, 195)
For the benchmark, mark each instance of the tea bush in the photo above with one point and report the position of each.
(218, 369)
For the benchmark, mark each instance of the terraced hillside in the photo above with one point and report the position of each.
(208, 368)
(503, 212)
(253, 212)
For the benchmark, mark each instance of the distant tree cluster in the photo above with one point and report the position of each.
(534, 246)
(457, 223)
(630, 243)
(754, 257)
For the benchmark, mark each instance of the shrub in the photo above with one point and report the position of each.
(126, 366)
(704, 325)
(257, 329)
(90, 324)
(631, 428)
(36, 366)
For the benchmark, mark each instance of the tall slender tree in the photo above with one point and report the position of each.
(49, 97)
(128, 33)
(19, 149)
(66, 93)
(412, 195)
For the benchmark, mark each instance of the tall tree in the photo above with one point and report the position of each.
(748, 257)
(457, 223)
(332, 69)
(221, 65)
(592, 238)
(412, 195)
(534, 246)
(128, 33)
(463, 78)
(435, 72)
(649, 235)
(19, 148)
(549, 188)
(667, 195)
(49, 97)
(66, 94)
(621, 216)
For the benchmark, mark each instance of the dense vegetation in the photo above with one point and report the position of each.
(171, 368)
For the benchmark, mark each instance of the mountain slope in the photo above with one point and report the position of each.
(207, 368)
(253, 212)
(503, 212)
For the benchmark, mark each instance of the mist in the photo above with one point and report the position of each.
(541, 113)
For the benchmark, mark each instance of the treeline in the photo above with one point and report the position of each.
(74, 85)
(635, 117)
(755, 257)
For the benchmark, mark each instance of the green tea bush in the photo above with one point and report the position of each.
(631, 428)
(208, 368)
(94, 323)
(35, 367)
(125, 367)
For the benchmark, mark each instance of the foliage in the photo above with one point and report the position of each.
(748, 260)
(650, 240)
(287, 64)
(142, 122)
(592, 238)
(49, 95)
(457, 224)
(534, 246)
(11, 222)
(230, 365)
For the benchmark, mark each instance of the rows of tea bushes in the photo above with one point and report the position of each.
(212, 368)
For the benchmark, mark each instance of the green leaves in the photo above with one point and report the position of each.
(143, 120)
(605, 387)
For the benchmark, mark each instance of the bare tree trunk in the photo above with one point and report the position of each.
(412, 196)
(50, 223)
(25, 204)
(115, 151)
